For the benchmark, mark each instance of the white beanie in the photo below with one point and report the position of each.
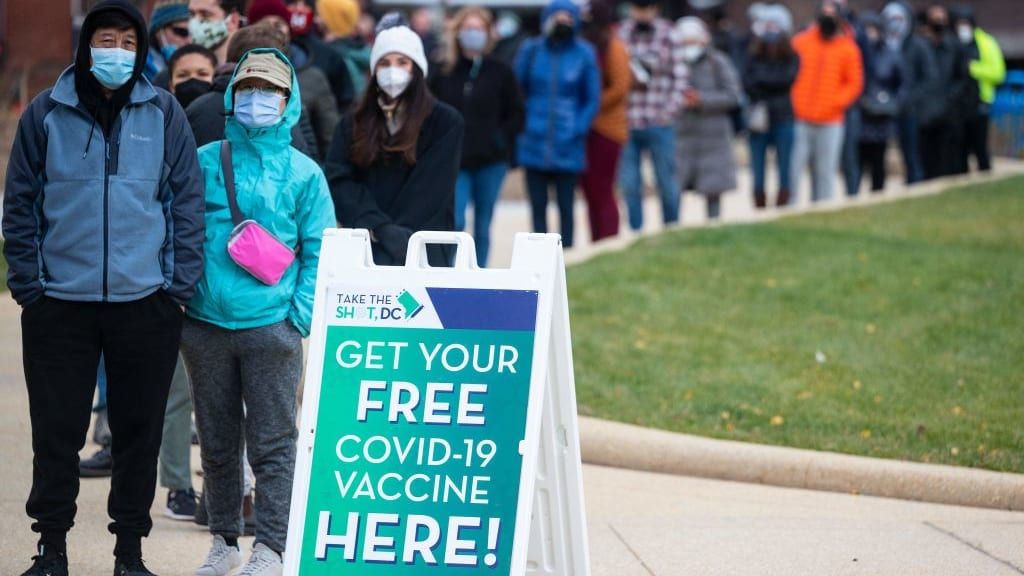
(693, 28)
(780, 16)
(401, 40)
(755, 11)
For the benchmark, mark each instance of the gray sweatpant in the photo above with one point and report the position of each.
(820, 145)
(260, 367)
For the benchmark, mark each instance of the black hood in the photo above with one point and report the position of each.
(89, 90)
(962, 12)
(222, 77)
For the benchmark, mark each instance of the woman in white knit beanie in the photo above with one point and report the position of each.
(395, 159)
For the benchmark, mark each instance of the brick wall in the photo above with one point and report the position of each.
(37, 30)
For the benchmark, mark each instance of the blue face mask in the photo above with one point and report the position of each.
(258, 108)
(112, 67)
(473, 40)
(168, 51)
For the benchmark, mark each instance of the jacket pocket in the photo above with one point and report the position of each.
(138, 230)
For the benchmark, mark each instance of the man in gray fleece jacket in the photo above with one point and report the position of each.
(103, 225)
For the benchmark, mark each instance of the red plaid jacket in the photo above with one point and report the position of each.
(656, 55)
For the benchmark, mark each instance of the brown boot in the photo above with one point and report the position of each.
(783, 200)
(760, 200)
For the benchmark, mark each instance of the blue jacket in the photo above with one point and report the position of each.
(286, 192)
(87, 219)
(562, 88)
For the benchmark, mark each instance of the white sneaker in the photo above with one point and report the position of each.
(221, 560)
(263, 562)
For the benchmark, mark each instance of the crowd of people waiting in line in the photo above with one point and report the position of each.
(828, 99)
(121, 197)
(603, 86)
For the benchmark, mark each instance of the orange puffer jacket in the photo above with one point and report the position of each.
(831, 77)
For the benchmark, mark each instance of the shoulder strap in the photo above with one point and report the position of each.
(229, 181)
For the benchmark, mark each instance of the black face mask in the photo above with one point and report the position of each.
(189, 90)
(644, 27)
(562, 31)
(828, 26)
(938, 28)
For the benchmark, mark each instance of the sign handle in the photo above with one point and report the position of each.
(465, 249)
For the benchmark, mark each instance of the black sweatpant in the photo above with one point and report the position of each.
(872, 160)
(538, 183)
(61, 343)
(976, 142)
(941, 148)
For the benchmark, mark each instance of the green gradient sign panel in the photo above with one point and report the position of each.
(416, 464)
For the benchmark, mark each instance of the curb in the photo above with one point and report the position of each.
(628, 446)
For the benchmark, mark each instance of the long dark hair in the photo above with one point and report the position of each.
(781, 49)
(598, 30)
(370, 136)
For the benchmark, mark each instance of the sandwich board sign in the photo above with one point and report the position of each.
(438, 431)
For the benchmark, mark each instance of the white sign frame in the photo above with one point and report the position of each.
(550, 534)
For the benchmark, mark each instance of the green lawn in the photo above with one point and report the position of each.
(894, 331)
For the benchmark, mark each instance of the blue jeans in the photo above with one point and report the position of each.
(661, 142)
(481, 186)
(907, 127)
(780, 136)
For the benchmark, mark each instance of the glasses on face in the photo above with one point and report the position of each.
(179, 32)
(265, 91)
(127, 43)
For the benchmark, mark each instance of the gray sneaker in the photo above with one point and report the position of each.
(221, 560)
(263, 562)
(101, 429)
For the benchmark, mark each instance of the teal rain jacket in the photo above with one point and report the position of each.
(286, 192)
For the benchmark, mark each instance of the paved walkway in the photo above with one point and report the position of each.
(639, 523)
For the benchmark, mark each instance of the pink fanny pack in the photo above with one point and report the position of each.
(250, 245)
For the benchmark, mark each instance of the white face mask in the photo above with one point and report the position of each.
(393, 80)
(507, 26)
(965, 33)
(692, 52)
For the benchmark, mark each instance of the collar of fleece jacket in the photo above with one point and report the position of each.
(274, 137)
